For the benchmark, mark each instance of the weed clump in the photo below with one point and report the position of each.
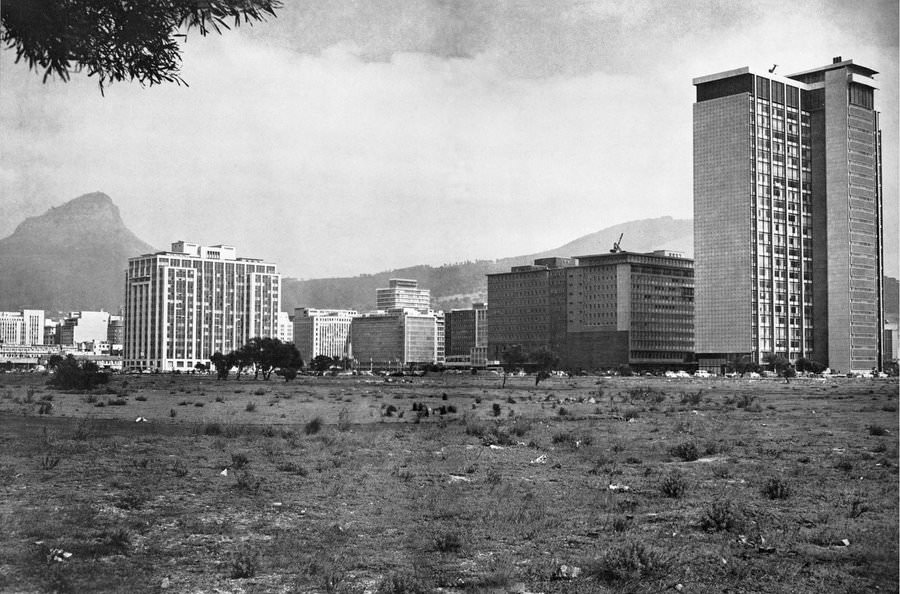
(251, 406)
(313, 427)
(687, 451)
(211, 429)
(630, 561)
(239, 460)
(448, 542)
(399, 583)
(775, 488)
(876, 430)
(244, 564)
(673, 485)
(721, 516)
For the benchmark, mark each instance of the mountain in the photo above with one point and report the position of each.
(458, 285)
(70, 258)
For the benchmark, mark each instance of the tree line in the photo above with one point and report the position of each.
(261, 356)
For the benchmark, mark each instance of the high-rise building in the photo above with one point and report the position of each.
(25, 328)
(322, 332)
(597, 311)
(184, 305)
(403, 293)
(788, 216)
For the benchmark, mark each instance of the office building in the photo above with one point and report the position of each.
(788, 217)
(466, 335)
(24, 328)
(403, 293)
(115, 334)
(597, 311)
(394, 339)
(184, 305)
(322, 332)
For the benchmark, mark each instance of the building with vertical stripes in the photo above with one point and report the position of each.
(788, 217)
(597, 311)
(24, 327)
(322, 332)
(184, 305)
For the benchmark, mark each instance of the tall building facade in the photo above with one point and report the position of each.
(466, 335)
(403, 293)
(788, 216)
(25, 328)
(322, 332)
(597, 311)
(394, 339)
(184, 305)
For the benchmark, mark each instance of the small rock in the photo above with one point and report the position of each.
(568, 572)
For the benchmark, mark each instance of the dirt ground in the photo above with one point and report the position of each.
(354, 484)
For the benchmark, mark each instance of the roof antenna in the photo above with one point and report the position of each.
(772, 69)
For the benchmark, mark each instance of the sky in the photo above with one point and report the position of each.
(348, 137)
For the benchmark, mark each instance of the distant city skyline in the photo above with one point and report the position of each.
(351, 139)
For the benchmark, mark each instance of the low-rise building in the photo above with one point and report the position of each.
(322, 332)
(597, 311)
(25, 327)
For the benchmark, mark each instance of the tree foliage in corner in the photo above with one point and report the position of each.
(116, 40)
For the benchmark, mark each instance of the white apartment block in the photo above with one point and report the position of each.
(322, 332)
(285, 327)
(84, 326)
(184, 305)
(24, 327)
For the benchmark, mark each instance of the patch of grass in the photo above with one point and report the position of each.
(630, 561)
(313, 426)
(875, 429)
(212, 429)
(448, 542)
(248, 482)
(687, 451)
(776, 488)
(673, 485)
(244, 564)
(251, 406)
(259, 392)
(116, 401)
(401, 583)
(49, 462)
(721, 515)
(239, 460)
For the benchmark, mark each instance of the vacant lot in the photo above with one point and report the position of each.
(357, 484)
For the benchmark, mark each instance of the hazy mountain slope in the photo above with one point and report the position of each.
(457, 285)
(70, 258)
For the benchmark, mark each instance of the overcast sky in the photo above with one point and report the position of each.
(350, 137)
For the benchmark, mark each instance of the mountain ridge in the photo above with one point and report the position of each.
(72, 257)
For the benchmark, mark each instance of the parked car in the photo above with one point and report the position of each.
(702, 373)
